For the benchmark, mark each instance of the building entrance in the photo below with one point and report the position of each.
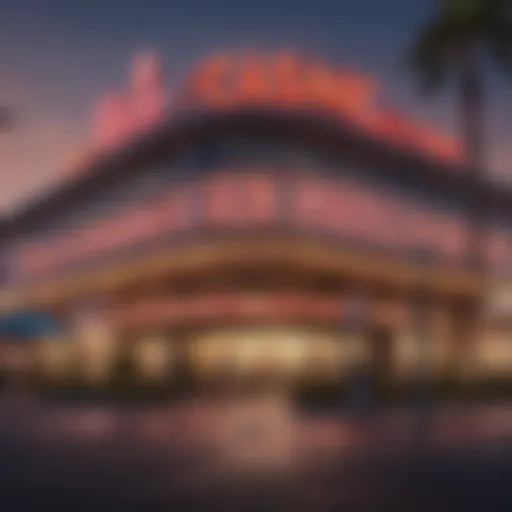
(266, 355)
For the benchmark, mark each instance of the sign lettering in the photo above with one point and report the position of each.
(311, 204)
(287, 80)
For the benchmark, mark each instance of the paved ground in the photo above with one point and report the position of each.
(94, 459)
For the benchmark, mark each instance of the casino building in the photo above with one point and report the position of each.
(268, 217)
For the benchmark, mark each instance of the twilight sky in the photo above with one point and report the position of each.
(57, 56)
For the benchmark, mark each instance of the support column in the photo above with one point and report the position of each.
(153, 359)
(97, 350)
(462, 364)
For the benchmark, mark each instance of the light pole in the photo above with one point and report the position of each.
(356, 319)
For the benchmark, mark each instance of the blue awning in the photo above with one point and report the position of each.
(26, 325)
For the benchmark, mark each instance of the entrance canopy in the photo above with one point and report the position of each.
(26, 325)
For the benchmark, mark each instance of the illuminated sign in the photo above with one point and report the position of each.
(281, 80)
(288, 80)
(276, 306)
(339, 209)
(119, 116)
(285, 79)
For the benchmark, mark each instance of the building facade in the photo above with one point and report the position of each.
(268, 218)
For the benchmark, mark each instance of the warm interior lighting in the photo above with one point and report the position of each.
(287, 351)
(494, 353)
(97, 349)
(153, 357)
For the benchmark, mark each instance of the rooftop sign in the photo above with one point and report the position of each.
(283, 80)
(119, 116)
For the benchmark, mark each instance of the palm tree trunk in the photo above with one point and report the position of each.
(473, 130)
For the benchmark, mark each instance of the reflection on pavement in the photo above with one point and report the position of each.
(259, 422)
(130, 457)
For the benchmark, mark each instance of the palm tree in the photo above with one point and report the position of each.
(461, 38)
(456, 43)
